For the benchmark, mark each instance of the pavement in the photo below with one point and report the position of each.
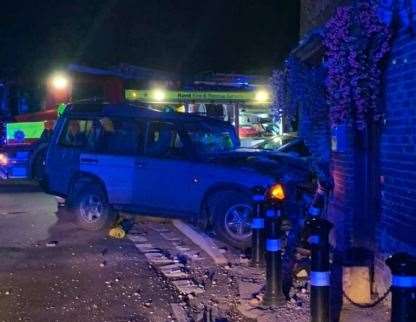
(161, 271)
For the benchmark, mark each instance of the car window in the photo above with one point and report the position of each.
(211, 138)
(164, 141)
(75, 133)
(116, 136)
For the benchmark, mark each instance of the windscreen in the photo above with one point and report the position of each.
(207, 138)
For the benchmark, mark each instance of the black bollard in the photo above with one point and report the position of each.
(403, 287)
(257, 226)
(320, 273)
(274, 293)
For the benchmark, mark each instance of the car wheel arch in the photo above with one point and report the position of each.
(209, 195)
(82, 178)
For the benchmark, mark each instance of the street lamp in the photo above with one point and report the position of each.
(59, 81)
(158, 95)
(261, 96)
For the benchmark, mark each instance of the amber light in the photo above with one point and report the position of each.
(4, 160)
(277, 192)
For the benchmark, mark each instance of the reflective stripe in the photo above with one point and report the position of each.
(314, 239)
(313, 211)
(259, 198)
(273, 245)
(403, 281)
(270, 213)
(320, 278)
(257, 223)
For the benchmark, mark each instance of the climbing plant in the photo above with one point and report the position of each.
(356, 43)
(279, 87)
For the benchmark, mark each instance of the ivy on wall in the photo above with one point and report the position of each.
(279, 88)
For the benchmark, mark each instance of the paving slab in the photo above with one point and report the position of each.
(174, 273)
(158, 259)
(138, 238)
(171, 236)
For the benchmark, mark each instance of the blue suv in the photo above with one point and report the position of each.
(106, 158)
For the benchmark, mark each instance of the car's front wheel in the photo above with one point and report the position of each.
(91, 209)
(232, 214)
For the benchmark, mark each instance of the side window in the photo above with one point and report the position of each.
(164, 141)
(76, 133)
(116, 136)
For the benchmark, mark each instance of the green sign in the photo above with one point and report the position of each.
(61, 108)
(19, 132)
(161, 96)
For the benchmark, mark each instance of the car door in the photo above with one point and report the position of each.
(63, 158)
(115, 144)
(163, 174)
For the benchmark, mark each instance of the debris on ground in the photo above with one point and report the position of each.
(117, 232)
(52, 243)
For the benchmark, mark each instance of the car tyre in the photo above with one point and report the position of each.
(91, 209)
(232, 212)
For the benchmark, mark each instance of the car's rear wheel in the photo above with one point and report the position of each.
(91, 209)
(232, 213)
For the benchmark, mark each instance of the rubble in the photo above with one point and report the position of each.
(52, 243)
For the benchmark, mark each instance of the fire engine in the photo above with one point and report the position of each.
(24, 138)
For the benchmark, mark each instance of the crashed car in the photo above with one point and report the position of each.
(107, 158)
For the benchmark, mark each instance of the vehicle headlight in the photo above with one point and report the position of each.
(276, 192)
(4, 160)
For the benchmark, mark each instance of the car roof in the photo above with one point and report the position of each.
(133, 111)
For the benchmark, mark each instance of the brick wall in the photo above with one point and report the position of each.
(313, 120)
(397, 224)
(341, 210)
(396, 220)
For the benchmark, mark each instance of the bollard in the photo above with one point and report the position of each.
(257, 226)
(320, 274)
(403, 287)
(274, 293)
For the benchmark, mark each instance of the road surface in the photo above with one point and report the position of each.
(86, 276)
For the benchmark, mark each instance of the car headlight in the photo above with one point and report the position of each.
(4, 160)
(276, 192)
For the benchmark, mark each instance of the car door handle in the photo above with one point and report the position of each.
(89, 161)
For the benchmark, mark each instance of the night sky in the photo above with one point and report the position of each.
(248, 36)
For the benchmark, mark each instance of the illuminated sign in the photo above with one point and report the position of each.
(61, 108)
(190, 96)
(22, 131)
